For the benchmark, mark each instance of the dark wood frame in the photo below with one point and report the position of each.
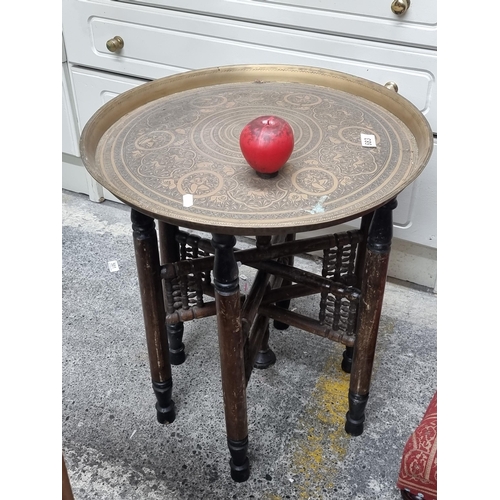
(172, 287)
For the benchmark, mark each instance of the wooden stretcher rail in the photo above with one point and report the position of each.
(305, 323)
(185, 267)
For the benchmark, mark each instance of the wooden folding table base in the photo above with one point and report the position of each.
(175, 291)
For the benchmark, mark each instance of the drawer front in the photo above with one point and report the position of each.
(170, 42)
(415, 218)
(366, 19)
(93, 89)
(64, 58)
(69, 124)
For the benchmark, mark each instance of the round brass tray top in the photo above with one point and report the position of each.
(179, 136)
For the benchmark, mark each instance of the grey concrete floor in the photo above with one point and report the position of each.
(114, 447)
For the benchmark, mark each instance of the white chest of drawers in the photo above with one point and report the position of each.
(164, 37)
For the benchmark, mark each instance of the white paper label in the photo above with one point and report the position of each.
(368, 141)
(187, 200)
(113, 266)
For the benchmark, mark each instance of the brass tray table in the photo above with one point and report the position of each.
(169, 149)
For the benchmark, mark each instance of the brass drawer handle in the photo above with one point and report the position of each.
(115, 44)
(399, 7)
(392, 86)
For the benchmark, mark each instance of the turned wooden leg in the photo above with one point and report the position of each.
(231, 346)
(376, 260)
(285, 304)
(360, 267)
(148, 270)
(169, 253)
(265, 357)
(347, 359)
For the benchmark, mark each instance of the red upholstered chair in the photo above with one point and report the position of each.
(418, 473)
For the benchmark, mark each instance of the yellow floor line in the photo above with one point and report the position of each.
(321, 440)
(325, 441)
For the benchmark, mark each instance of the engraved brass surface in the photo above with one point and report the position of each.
(179, 135)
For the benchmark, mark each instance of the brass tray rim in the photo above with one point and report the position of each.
(106, 116)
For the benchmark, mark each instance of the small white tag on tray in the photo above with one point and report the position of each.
(368, 141)
(187, 200)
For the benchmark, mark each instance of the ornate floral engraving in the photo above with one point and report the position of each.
(201, 183)
(189, 143)
(156, 139)
(315, 181)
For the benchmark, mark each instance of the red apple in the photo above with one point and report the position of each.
(267, 143)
